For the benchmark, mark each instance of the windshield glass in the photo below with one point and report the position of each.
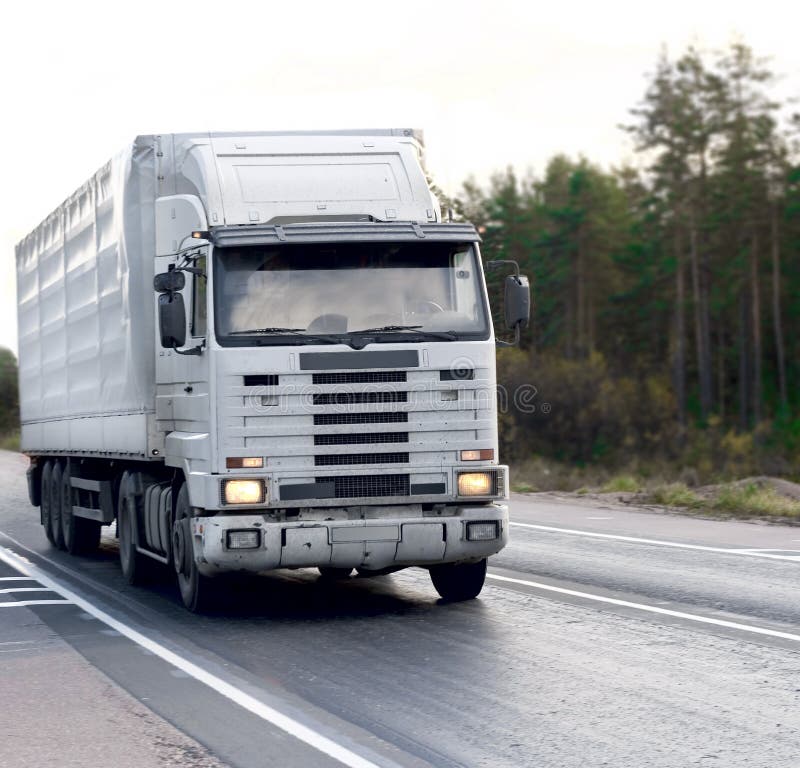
(337, 289)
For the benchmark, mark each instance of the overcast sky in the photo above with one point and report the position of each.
(491, 83)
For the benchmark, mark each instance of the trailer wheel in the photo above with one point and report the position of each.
(136, 567)
(81, 535)
(56, 477)
(459, 581)
(46, 507)
(196, 589)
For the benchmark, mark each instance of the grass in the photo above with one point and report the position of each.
(9, 442)
(621, 484)
(752, 500)
(674, 495)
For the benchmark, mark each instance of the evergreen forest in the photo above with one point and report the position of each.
(666, 323)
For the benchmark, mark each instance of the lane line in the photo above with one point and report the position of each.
(658, 542)
(649, 608)
(24, 589)
(16, 578)
(250, 703)
(24, 603)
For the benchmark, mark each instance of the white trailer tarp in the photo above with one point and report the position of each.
(85, 298)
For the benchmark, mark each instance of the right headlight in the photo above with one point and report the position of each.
(244, 492)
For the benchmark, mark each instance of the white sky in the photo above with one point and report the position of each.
(492, 84)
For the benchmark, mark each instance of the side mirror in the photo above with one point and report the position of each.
(171, 318)
(173, 280)
(517, 302)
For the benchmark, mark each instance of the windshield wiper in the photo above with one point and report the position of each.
(300, 332)
(251, 331)
(447, 335)
(386, 328)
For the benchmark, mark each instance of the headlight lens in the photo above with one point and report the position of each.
(244, 492)
(476, 484)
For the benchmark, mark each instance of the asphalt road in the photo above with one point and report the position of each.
(604, 637)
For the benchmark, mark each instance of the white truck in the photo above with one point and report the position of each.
(264, 350)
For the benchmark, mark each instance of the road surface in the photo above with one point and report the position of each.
(604, 637)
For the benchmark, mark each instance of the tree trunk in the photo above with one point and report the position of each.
(756, 321)
(679, 346)
(780, 349)
(700, 323)
(581, 298)
(720, 337)
(744, 363)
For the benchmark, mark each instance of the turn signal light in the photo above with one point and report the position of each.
(484, 454)
(244, 492)
(249, 462)
(475, 484)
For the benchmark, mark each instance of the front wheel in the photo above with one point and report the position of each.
(196, 589)
(459, 581)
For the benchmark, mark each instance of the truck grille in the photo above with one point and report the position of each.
(343, 459)
(360, 377)
(333, 429)
(356, 398)
(326, 419)
(361, 438)
(358, 486)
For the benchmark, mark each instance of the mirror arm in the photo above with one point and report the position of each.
(198, 350)
(503, 344)
(495, 264)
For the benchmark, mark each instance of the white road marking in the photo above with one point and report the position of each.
(24, 589)
(650, 608)
(25, 603)
(16, 578)
(250, 703)
(659, 542)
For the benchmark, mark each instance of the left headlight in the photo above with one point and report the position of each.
(244, 491)
(477, 483)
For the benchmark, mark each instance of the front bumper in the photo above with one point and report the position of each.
(371, 544)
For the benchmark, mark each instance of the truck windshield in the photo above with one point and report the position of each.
(295, 294)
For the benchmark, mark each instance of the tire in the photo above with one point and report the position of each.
(334, 574)
(47, 479)
(459, 581)
(196, 589)
(136, 567)
(56, 476)
(81, 535)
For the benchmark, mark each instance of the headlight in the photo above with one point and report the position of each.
(477, 484)
(244, 492)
